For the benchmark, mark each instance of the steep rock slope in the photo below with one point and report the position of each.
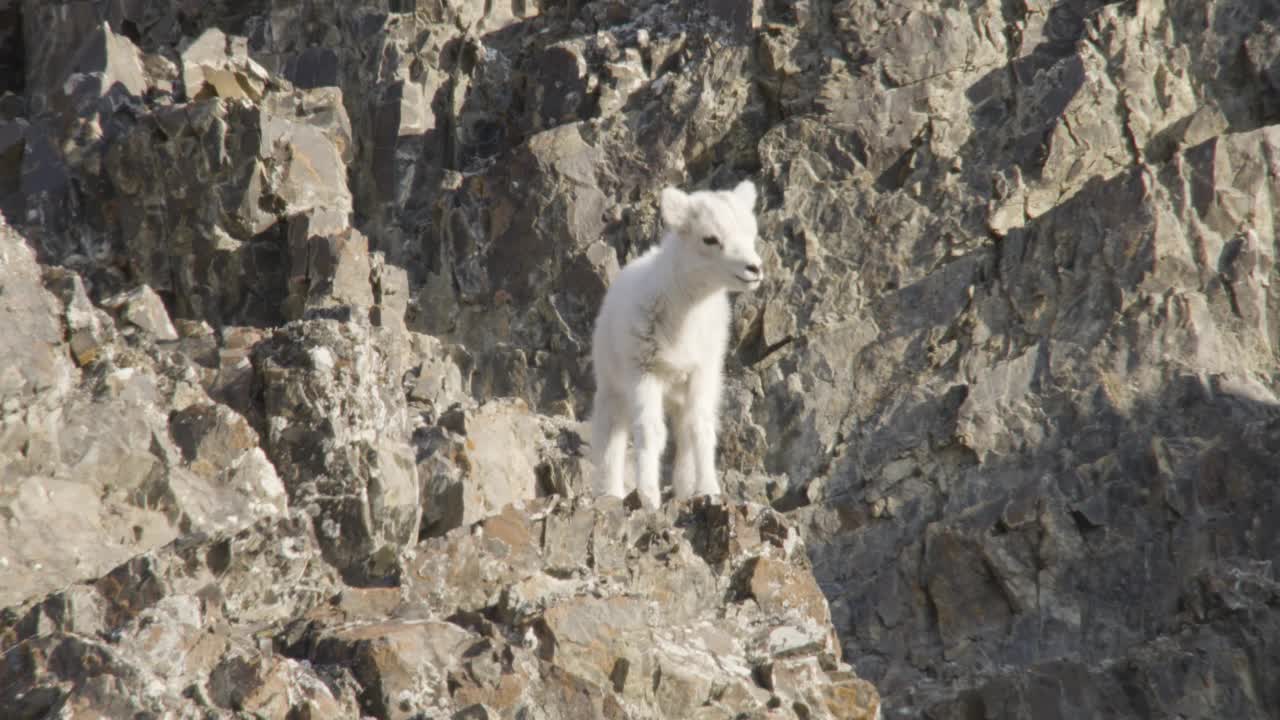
(1011, 375)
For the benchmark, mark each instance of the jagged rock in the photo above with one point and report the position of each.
(230, 378)
(229, 173)
(220, 448)
(92, 474)
(90, 331)
(333, 271)
(501, 444)
(174, 630)
(32, 343)
(85, 59)
(509, 617)
(336, 427)
(443, 376)
(143, 309)
(537, 618)
(476, 462)
(217, 65)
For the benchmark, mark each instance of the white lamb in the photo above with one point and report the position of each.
(660, 341)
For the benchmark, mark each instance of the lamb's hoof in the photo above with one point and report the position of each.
(632, 501)
(704, 501)
(609, 500)
(636, 501)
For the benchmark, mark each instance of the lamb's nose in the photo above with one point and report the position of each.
(753, 269)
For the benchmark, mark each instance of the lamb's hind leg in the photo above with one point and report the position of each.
(608, 443)
(649, 431)
(684, 471)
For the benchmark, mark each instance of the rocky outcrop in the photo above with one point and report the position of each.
(178, 630)
(326, 271)
(568, 610)
(110, 446)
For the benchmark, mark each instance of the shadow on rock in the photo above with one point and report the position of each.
(1077, 497)
(1015, 108)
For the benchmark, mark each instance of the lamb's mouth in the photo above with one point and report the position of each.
(750, 281)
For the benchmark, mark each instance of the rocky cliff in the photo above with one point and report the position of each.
(296, 299)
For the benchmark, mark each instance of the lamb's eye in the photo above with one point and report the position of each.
(711, 240)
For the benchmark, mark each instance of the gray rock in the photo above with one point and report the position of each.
(35, 363)
(214, 65)
(83, 60)
(336, 427)
(643, 639)
(512, 616)
(229, 174)
(90, 331)
(478, 461)
(174, 630)
(94, 469)
(143, 309)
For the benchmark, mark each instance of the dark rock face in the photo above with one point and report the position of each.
(296, 301)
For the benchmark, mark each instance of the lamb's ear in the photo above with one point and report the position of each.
(675, 207)
(745, 193)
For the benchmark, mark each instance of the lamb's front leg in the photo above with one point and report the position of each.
(608, 442)
(702, 418)
(649, 432)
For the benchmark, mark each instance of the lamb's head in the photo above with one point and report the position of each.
(715, 234)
